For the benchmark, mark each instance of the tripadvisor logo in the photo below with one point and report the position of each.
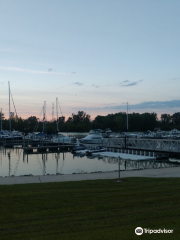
(139, 231)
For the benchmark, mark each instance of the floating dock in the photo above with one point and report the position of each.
(47, 148)
(124, 156)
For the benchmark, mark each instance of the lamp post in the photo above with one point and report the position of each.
(119, 180)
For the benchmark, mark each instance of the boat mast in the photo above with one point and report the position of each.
(1, 119)
(57, 113)
(44, 115)
(9, 110)
(52, 111)
(127, 117)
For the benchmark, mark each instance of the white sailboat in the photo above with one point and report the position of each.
(9, 135)
(60, 138)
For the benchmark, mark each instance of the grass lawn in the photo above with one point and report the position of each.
(90, 210)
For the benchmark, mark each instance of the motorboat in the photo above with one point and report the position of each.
(173, 134)
(116, 135)
(80, 152)
(60, 138)
(7, 136)
(30, 136)
(94, 137)
(106, 132)
(90, 150)
(78, 146)
(149, 134)
(16, 133)
(95, 150)
(133, 135)
(4, 134)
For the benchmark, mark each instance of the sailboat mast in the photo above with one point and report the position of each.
(1, 119)
(43, 118)
(9, 109)
(57, 113)
(52, 111)
(127, 117)
(44, 115)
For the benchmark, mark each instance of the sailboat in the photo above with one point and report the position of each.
(9, 135)
(60, 138)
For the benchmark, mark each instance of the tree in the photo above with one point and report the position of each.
(2, 116)
(61, 119)
(81, 116)
(166, 118)
(30, 123)
(176, 118)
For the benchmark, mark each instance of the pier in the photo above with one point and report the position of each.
(137, 146)
(142, 144)
(47, 148)
(38, 145)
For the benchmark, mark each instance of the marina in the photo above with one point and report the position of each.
(170, 147)
(17, 161)
(99, 151)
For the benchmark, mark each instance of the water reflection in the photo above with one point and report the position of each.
(14, 162)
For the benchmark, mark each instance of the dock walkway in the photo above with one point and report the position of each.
(124, 156)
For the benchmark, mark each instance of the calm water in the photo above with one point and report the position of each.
(14, 162)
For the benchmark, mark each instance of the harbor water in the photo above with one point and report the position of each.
(15, 162)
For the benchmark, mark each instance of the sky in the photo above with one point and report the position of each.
(93, 56)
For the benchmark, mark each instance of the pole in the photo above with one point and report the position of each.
(127, 117)
(43, 119)
(44, 116)
(57, 113)
(1, 119)
(9, 110)
(119, 180)
(52, 111)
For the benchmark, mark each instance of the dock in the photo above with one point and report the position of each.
(135, 146)
(47, 148)
(124, 156)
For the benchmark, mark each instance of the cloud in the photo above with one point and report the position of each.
(96, 86)
(150, 105)
(1, 82)
(174, 79)
(109, 104)
(31, 71)
(129, 84)
(78, 83)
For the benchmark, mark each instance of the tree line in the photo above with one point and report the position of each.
(81, 122)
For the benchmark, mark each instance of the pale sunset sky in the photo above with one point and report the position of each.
(93, 55)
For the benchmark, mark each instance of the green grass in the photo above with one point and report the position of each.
(96, 210)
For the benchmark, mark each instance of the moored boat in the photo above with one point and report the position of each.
(94, 137)
(60, 138)
(78, 146)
